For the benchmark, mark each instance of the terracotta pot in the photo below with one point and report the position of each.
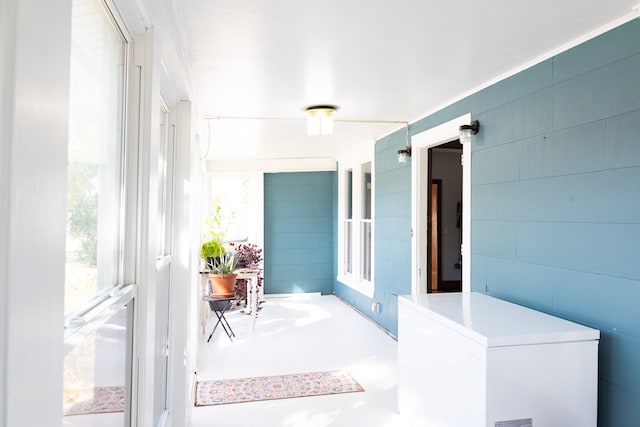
(222, 285)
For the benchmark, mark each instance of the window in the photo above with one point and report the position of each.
(98, 328)
(365, 223)
(356, 230)
(95, 174)
(348, 223)
(165, 174)
(238, 195)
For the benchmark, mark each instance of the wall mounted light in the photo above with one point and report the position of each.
(404, 154)
(320, 119)
(467, 130)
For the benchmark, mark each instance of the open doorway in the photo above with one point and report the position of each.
(440, 138)
(444, 220)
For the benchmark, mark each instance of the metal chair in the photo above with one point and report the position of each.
(219, 306)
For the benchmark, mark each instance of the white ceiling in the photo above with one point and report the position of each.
(375, 59)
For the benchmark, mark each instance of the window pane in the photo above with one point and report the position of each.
(95, 155)
(348, 214)
(95, 366)
(366, 190)
(365, 247)
(238, 200)
(163, 189)
(348, 247)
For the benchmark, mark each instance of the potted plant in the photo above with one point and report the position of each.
(222, 276)
(249, 256)
(211, 250)
(216, 225)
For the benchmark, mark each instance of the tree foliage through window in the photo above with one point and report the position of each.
(83, 209)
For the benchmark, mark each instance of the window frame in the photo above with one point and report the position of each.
(80, 312)
(93, 313)
(365, 222)
(166, 178)
(354, 279)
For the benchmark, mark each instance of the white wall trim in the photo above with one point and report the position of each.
(183, 345)
(146, 177)
(634, 14)
(273, 165)
(7, 78)
(133, 14)
(420, 144)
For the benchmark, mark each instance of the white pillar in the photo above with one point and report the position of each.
(146, 56)
(34, 73)
(184, 272)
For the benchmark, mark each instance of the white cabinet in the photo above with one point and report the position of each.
(468, 359)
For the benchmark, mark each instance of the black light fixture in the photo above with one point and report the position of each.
(466, 131)
(404, 154)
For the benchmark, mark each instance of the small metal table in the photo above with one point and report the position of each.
(219, 306)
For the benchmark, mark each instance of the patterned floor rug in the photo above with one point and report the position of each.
(238, 390)
(98, 400)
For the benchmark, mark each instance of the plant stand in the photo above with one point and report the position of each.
(254, 292)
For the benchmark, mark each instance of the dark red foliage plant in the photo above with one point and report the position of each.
(249, 254)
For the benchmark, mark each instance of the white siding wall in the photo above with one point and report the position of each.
(34, 71)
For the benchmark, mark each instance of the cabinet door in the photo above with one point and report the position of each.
(442, 375)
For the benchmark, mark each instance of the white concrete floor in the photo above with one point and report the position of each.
(302, 333)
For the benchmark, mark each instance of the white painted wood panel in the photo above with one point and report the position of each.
(470, 360)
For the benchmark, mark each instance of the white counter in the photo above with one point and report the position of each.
(467, 359)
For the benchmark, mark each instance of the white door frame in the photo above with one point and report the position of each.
(420, 144)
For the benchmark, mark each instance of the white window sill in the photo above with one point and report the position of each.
(365, 288)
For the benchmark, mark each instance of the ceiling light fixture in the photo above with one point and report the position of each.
(467, 130)
(320, 119)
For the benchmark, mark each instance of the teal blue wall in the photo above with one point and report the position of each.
(555, 202)
(299, 232)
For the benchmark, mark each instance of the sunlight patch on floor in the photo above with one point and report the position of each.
(312, 313)
(308, 419)
(296, 334)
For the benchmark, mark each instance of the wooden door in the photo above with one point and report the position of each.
(434, 235)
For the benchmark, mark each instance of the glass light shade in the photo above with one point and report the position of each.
(326, 122)
(466, 131)
(403, 156)
(320, 120)
(313, 123)
(465, 136)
